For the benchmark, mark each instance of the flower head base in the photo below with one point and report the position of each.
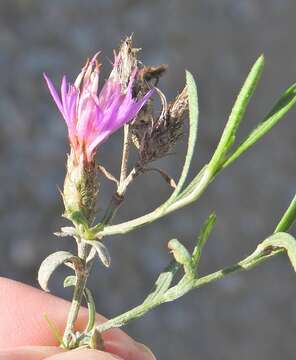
(91, 117)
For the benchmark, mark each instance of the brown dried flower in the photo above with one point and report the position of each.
(155, 136)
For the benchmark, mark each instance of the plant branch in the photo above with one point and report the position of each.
(183, 287)
(276, 244)
(81, 279)
(220, 160)
(125, 154)
(123, 228)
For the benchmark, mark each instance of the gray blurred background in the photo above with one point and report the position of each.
(250, 315)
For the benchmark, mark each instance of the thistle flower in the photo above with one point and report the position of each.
(90, 117)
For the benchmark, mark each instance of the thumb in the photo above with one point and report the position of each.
(85, 354)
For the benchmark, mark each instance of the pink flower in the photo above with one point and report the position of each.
(90, 117)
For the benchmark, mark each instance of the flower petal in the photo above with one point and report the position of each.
(54, 93)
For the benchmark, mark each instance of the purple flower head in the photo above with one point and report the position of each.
(91, 117)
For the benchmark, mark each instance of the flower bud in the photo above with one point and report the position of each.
(80, 190)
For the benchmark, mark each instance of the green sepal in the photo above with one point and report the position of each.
(77, 218)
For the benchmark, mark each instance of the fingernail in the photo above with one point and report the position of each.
(144, 349)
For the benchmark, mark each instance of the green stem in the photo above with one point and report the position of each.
(161, 211)
(125, 154)
(112, 209)
(81, 279)
(183, 287)
(187, 283)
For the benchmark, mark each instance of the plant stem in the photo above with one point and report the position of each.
(123, 228)
(186, 284)
(183, 287)
(114, 205)
(118, 197)
(125, 154)
(81, 279)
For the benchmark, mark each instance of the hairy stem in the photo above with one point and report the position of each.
(118, 198)
(81, 279)
(123, 228)
(125, 154)
(183, 287)
(188, 283)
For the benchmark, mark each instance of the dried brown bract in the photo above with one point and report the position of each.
(155, 136)
(125, 61)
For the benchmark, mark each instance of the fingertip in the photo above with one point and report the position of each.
(145, 350)
(29, 327)
(28, 353)
(132, 351)
(85, 354)
(27, 312)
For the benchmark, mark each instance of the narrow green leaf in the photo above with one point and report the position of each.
(55, 331)
(237, 113)
(194, 183)
(202, 239)
(278, 241)
(288, 218)
(193, 129)
(71, 281)
(163, 282)
(91, 310)
(51, 263)
(284, 104)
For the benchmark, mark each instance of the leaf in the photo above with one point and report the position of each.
(66, 231)
(182, 256)
(70, 281)
(51, 263)
(163, 281)
(237, 114)
(91, 310)
(102, 251)
(280, 240)
(179, 251)
(193, 129)
(202, 239)
(284, 104)
(55, 331)
(288, 218)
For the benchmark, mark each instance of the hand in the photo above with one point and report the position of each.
(24, 334)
